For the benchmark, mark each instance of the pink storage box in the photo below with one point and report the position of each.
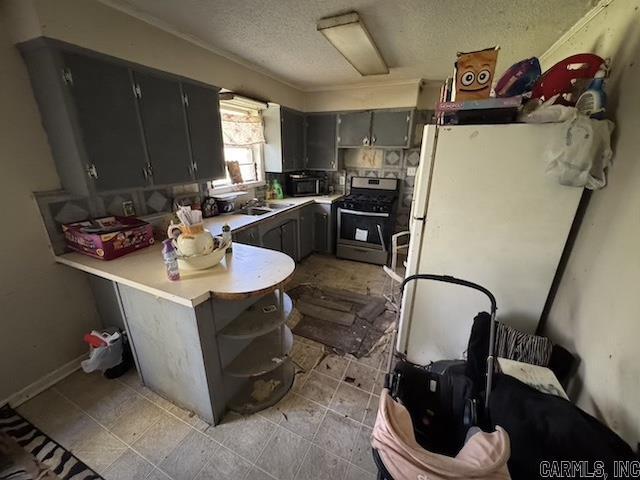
(108, 237)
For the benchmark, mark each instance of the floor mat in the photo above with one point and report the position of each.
(26, 449)
(370, 319)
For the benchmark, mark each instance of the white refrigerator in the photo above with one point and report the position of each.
(483, 210)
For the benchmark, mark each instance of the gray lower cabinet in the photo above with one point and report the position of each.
(108, 122)
(289, 238)
(165, 128)
(391, 128)
(248, 236)
(203, 116)
(354, 129)
(272, 239)
(297, 233)
(306, 229)
(323, 225)
(320, 141)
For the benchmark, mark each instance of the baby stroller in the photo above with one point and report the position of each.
(429, 418)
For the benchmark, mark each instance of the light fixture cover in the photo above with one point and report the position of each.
(349, 36)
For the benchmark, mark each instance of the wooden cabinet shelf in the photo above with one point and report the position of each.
(262, 355)
(259, 319)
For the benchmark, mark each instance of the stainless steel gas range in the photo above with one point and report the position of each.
(366, 218)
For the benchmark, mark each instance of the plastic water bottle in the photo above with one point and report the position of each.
(170, 260)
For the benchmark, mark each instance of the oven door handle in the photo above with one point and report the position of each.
(384, 247)
(363, 214)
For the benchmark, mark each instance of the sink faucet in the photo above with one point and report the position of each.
(254, 202)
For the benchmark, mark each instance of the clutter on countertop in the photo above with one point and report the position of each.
(196, 248)
(107, 238)
(170, 256)
(226, 237)
(227, 201)
(209, 207)
(275, 191)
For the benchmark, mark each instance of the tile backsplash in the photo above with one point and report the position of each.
(371, 162)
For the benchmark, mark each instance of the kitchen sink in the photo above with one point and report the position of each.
(278, 206)
(253, 211)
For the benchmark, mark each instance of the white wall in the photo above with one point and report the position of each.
(45, 308)
(596, 312)
(361, 97)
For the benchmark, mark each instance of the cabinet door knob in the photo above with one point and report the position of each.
(373, 140)
(365, 141)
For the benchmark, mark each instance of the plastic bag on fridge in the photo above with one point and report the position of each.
(580, 151)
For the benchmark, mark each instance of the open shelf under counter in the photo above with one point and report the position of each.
(263, 354)
(264, 391)
(260, 318)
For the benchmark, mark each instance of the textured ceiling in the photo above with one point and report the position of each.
(417, 38)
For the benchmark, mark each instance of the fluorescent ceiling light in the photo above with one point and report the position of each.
(349, 36)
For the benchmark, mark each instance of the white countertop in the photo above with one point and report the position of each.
(246, 272)
(238, 221)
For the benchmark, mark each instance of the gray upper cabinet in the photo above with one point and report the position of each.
(377, 128)
(292, 139)
(108, 121)
(203, 116)
(354, 129)
(114, 125)
(320, 141)
(284, 135)
(165, 129)
(391, 128)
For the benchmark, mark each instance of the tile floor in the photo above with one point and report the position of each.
(320, 430)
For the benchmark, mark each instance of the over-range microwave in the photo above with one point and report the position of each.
(300, 185)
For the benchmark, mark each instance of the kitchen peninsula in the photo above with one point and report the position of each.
(214, 340)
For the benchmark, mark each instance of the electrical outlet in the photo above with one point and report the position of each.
(341, 180)
(411, 171)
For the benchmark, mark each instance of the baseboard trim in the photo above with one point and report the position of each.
(43, 383)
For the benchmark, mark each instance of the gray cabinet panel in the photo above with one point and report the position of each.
(108, 121)
(273, 239)
(390, 128)
(306, 231)
(289, 237)
(324, 218)
(203, 115)
(354, 129)
(248, 236)
(164, 126)
(321, 142)
(292, 139)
